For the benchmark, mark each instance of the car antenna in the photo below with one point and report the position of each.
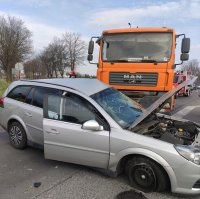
(129, 24)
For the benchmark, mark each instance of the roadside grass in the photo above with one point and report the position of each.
(3, 86)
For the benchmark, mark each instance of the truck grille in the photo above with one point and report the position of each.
(133, 79)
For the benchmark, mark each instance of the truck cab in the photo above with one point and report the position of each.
(138, 61)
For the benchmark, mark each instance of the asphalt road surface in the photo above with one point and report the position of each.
(20, 169)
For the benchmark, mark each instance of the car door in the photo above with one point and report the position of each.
(66, 140)
(34, 112)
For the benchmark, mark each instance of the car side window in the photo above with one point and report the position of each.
(29, 98)
(19, 93)
(39, 93)
(73, 109)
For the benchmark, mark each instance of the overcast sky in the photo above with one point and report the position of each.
(49, 18)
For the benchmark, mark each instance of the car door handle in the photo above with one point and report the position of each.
(28, 114)
(53, 131)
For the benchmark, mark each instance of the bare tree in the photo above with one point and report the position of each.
(47, 60)
(50, 59)
(34, 68)
(75, 48)
(193, 66)
(62, 53)
(60, 56)
(15, 43)
(55, 57)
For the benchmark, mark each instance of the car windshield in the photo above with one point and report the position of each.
(137, 47)
(121, 108)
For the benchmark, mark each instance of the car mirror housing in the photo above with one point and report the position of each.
(92, 125)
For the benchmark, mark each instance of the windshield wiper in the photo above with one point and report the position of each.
(132, 60)
(149, 61)
(119, 60)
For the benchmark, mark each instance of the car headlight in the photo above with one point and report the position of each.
(190, 153)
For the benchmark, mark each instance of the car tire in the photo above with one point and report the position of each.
(17, 135)
(146, 175)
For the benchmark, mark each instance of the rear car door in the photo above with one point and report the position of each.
(64, 138)
(34, 112)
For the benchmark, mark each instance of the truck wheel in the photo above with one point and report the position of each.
(176, 96)
(17, 135)
(188, 93)
(146, 175)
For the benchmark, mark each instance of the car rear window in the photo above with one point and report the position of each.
(19, 93)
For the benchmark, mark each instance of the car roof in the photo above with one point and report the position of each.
(87, 86)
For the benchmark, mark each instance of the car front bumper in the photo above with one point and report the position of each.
(186, 180)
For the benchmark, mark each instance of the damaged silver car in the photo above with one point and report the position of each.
(86, 122)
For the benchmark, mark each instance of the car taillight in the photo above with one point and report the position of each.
(2, 102)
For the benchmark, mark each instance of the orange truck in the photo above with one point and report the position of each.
(139, 62)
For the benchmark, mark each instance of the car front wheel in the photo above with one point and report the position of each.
(146, 175)
(17, 135)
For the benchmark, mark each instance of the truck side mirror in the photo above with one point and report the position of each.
(91, 47)
(90, 57)
(184, 57)
(185, 47)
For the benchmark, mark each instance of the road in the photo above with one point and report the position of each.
(20, 169)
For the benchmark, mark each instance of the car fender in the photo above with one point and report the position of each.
(116, 158)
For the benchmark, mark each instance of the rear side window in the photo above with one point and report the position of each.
(29, 98)
(39, 93)
(19, 93)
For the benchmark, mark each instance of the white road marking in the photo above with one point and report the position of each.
(185, 111)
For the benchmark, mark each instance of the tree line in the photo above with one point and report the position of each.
(16, 46)
(65, 52)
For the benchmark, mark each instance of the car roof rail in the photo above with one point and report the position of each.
(47, 83)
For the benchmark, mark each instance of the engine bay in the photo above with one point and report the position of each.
(169, 130)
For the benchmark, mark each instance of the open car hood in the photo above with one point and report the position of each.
(158, 103)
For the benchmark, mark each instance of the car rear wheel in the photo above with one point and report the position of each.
(146, 175)
(17, 135)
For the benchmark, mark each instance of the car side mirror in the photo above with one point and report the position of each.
(92, 125)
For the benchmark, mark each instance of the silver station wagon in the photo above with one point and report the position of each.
(86, 122)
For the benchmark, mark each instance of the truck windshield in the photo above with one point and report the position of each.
(121, 108)
(137, 47)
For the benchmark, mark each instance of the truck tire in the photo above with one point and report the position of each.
(176, 96)
(187, 93)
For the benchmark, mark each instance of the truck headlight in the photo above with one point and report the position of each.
(190, 153)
